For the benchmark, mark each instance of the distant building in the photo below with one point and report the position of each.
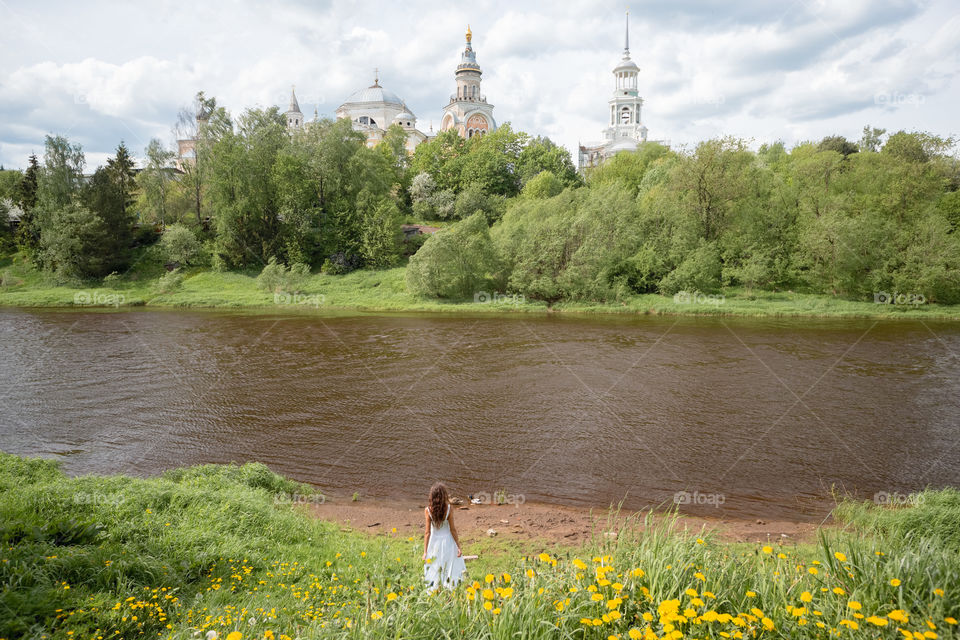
(626, 130)
(374, 109)
(468, 112)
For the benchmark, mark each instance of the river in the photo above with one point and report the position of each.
(739, 418)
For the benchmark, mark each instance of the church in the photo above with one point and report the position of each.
(625, 130)
(373, 109)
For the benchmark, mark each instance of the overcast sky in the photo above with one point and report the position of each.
(101, 72)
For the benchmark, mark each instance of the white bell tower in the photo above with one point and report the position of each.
(626, 104)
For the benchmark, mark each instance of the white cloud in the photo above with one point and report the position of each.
(100, 72)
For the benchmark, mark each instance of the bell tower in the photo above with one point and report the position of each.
(626, 103)
(468, 111)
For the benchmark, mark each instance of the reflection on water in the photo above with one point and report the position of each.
(732, 417)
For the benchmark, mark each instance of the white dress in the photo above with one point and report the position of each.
(444, 567)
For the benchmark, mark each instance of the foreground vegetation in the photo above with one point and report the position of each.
(223, 549)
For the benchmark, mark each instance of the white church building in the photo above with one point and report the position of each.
(625, 130)
(373, 109)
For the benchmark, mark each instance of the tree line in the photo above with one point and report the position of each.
(834, 217)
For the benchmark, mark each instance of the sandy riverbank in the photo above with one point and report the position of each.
(552, 524)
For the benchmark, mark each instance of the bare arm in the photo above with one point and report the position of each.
(426, 534)
(453, 532)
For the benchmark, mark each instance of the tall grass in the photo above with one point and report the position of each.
(220, 548)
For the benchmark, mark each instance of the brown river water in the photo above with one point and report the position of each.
(738, 418)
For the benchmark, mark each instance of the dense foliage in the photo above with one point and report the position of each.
(842, 218)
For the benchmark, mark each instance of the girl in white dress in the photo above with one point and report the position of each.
(444, 566)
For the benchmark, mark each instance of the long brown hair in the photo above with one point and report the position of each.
(439, 498)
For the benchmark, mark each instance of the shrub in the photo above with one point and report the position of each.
(277, 278)
(455, 262)
(180, 245)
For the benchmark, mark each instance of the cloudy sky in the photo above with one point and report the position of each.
(100, 72)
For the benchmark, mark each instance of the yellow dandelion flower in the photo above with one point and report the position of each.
(875, 620)
(895, 582)
(839, 556)
(856, 606)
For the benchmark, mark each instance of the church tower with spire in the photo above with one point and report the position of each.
(294, 117)
(468, 112)
(625, 129)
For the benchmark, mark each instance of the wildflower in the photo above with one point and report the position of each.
(487, 605)
(234, 635)
(813, 571)
(838, 591)
(506, 578)
(579, 564)
(950, 620)
(376, 615)
(391, 597)
(938, 592)
(751, 594)
(806, 596)
(489, 578)
(899, 615)
(853, 604)
(850, 624)
(839, 556)
(768, 549)
(691, 592)
(530, 573)
(880, 622)
(699, 576)
(635, 634)
(487, 594)
(767, 623)
(895, 582)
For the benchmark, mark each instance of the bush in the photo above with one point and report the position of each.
(700, 271)
(180, 245)
(168, 282)
(277, 278)
(455, 262)
(340, 263)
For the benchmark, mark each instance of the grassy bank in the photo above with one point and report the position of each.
(221, 548)
(385, 290)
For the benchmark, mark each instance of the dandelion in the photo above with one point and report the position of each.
(391, 597)
(767, 623)
(234, 635)
(530, 573)
(856, 606)
(376, 615)
(751, 594)
(806, 596)
(938, 592)
(899, 615)
(895, 582)
(768, 549)
(840, 556)
(880, 622)
(489, 578)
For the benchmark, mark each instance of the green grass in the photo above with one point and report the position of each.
(213, 548)
(385, 291)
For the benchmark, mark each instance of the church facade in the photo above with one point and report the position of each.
(625, 130)
(373, 109)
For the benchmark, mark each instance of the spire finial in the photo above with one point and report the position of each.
(469, 34)
(626, 39)
(376, 76)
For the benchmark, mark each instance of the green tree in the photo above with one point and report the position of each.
(456, 262)
(28, 232)
(871, 139)
(541, 154)
(61, 177)
(155, 181)
(242, 192)
(180, 245)
(72, 243)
